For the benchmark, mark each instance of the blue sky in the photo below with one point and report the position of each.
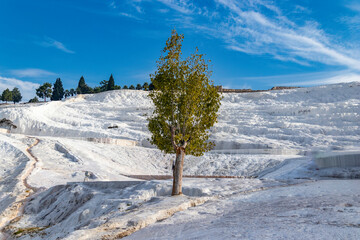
(251, 44)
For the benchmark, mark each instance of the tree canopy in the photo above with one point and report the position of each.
(111, 83)
(34, 100)
(145, 86)
(186, 105)
(58, 90)
(44, 91)
(6, 95)
(67, 93)
(16, 95)
(83, 88)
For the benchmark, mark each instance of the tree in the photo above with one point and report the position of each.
(6, 95)
(145, 86)
(104, 85)
(111, 83)
(58, 90)
(125, 87)
(72, 92)
(16, 95)
(34, 100)
(67, 93)
(132, 87)
(151, 87)
(97, 90)
(138, 86)
(83, 88)
(117, 87)
(44, 91)
(186, 105)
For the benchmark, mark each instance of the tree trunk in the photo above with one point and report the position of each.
(178, 171)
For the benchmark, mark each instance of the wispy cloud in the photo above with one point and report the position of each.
(31, 72)
(341, 78)
(124, 14)
(163, 10)
(317, 78)
(253, 32)
(354, 6)
(27, 89)
(112, 4)
(180, 6)
(50, 42)
(260, 27)
(353, 20)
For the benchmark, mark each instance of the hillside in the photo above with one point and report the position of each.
(301, 118)
(271, 137)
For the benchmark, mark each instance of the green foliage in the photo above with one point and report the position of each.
(16, 95)
(145, 86)
(34, 100)
(138, 86)
(111, 83)
(67, 93)
(83, 88)
(72, 92)
(117, 87)
(151, 87)
(44, 91)
(186, 101)
(103, 86)
(58, 90)
(6, 95)
(81, 84)
(125, 87)
(97, 90)
(132, 87)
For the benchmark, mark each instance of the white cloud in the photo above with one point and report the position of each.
(341, 78)
(354, 6)
(249, 30)
(26, 88)
(260, 27)
(124, 14)
(31, 72)
(112, 4)
(306, 79)
(163, 10)
(181, 6)
(50, 42)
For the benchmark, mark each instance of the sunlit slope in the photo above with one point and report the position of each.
(317, 117)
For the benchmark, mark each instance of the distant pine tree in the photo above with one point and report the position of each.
(132, 87)
(6, 95)
(34, 100)
(83, 88)
(72, 92)
(111, 83)
(103, 85)
(138, 86)
(125, 87)
(81, 85)
(145, 86)
(151, 87)
(97, 90)
(67, 93)
(16, 95)
(58, 90)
